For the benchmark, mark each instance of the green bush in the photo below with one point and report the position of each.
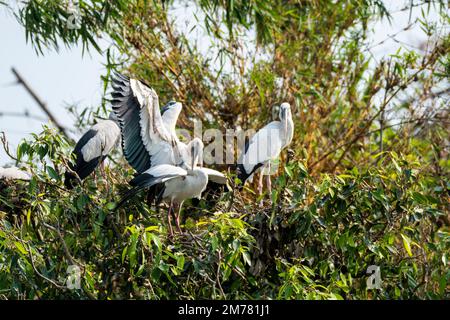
(315, 241)
(366, 183)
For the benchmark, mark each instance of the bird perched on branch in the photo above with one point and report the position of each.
(176, 184)
(92, 149)
(265, 146)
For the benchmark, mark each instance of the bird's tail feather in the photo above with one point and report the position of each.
(139, 183)
(69, 179)
(241, 175)
(128, 195)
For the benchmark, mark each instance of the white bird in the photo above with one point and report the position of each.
(148, 138)
(265, 146)
(177, 184)
(92, 148)
(14, 173)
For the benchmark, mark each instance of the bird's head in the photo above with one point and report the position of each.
(172, 106)
(196, 149)
(285, 111)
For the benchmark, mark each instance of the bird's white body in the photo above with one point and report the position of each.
(178, 184)
(92, 148)
(14, 173)
(188, 184)
(266, 145)
(181, 184)
(191, 186)
(101, 144)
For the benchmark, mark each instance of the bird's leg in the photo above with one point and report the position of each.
(169, 219)
(269, 186)
(103, 173)
(178, 218)
(269, 182)
(260, 187)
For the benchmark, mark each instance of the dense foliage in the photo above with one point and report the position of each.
(366, 181)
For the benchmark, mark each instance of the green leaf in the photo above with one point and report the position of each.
(180, 262)
(288, 171)
(155, 239)
(407, 244)
(247, 258)
(419, 198)
(21, 248)
(214, 243)
(52, 173)
(110, 206)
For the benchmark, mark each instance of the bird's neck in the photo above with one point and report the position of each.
(170, 120)
(287, 128)
(171, 127)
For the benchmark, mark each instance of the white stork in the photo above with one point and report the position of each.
(14, 173)
(148, 138)
(176, 184)
(265, 146)
(92, 149)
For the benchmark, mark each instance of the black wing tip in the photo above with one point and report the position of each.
(128, 195)
(69, 180)
(242, 174)
(116, 75)
(82, 169)
(140, 179)
(85, 138)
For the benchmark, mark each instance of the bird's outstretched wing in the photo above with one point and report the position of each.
(215, 176)
(145, 139)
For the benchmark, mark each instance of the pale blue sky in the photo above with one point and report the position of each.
(60, 78)
(67, 77)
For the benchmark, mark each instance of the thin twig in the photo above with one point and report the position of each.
(5, 144)
(38, 100)
(66, 250)
(218, 274)
(54, 283)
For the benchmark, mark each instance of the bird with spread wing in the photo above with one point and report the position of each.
(151, 146)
